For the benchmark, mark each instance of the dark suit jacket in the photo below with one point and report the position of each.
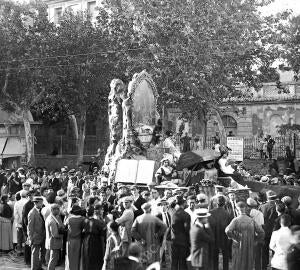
(168, 228)
(26, 209)
(138, 203)
(36, 227)
(123, 263)
(218, 221)
(180, 228)
(55, 184)
(269, 211)
(201, 238)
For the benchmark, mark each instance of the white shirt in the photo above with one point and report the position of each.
(18, 209)
(192, 215)
(280, 243)
(224, 168)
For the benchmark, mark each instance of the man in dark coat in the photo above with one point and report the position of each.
(218, 221)
(27, 207)
(201, 237)
(180, 229)
(36, 233)
(138, 201)
(269, 211)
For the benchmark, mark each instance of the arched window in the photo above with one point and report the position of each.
(230, 125)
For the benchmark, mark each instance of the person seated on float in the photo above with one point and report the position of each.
(227, 170)
(169, 144)
(165, 172)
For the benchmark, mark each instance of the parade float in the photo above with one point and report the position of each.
(136, 148)
(132, 154)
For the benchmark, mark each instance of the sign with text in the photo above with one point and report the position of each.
(236, 145)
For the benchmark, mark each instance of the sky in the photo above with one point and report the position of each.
(281, 5)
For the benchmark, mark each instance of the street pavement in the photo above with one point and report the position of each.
(12, 261)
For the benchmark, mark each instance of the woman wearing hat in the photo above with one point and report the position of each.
(227, 170)
(92, 245)
(74, 224)
(165, 172)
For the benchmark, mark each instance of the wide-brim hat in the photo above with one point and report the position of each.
(37, 199)
(231, 190)
(202, 213)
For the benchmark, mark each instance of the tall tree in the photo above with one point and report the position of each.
(24, 34)
(198, 51)
(82, 72)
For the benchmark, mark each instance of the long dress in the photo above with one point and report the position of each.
(93, 244)
(75, 227)
(243, 230)
(6, 239)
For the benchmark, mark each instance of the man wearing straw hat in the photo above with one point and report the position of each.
(201, 237)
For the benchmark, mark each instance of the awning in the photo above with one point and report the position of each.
(15, 147)
(2, 144)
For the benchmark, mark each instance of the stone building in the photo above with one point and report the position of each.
(57, 7)
(249, 117)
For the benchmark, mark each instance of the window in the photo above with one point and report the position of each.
(57, 14)
(2, 129)
(14, 130)
(74, 8)
(230, 125)
(91, 9)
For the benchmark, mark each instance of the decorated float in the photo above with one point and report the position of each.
(138, 148)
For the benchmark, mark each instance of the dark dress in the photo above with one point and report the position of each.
(93, 244)
(27, 251)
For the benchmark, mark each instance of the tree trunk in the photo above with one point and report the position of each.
(204, 132)
(221, 129)
(81, 136)
(28, 138)
(74, 125)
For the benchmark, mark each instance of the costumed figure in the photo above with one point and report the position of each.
(165, 172)
(169, 144)
(228, 170)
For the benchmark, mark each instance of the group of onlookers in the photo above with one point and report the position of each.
(75, 217)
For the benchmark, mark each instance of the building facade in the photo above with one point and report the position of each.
(56, 8)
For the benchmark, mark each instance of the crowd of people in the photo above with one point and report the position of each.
(75, 218)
